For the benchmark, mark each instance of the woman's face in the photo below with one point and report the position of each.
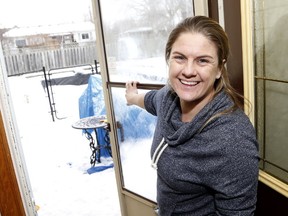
(193, 68)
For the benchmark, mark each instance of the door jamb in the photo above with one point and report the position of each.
(13, 144)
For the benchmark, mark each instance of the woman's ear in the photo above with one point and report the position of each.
(219, 73)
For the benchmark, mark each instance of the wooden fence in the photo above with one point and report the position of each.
(33, 60)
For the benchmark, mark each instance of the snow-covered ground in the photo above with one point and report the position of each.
(58, 156)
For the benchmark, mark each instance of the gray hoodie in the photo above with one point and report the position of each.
(209, 172)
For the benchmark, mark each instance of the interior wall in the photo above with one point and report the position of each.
(232, 15)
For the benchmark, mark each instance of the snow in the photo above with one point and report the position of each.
(58, 156)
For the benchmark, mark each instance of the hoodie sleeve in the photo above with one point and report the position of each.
(153, 100)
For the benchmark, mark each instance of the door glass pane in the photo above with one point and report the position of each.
(135, 133)
(135, 34)
(271, 49)
(276, 123)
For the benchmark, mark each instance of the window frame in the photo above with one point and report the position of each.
(85, 36)
(20, 43)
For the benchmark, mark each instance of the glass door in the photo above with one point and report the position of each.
(131, 37)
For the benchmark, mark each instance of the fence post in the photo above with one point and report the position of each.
(48, 93)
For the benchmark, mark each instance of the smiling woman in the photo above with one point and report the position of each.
(201, 163)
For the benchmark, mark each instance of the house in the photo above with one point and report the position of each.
(49, 36)
(28, 49)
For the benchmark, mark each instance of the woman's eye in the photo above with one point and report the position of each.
(203, 61)
(179, 58)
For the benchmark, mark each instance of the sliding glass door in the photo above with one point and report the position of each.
(131, 38)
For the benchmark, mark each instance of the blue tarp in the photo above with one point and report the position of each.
(91, 103)
(136, 122)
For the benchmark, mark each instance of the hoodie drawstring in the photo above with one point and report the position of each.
(158, 152)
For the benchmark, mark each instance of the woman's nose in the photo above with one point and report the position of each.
(189, 69)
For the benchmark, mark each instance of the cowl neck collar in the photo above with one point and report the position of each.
(176, 132)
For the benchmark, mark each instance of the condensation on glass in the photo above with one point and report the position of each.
(271, 51)
(135, 34)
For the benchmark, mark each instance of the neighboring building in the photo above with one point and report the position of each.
(49, 36)
(29, 49)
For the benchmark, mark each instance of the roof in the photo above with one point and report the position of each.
(59, 29)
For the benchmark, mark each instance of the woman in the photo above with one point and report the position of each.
(204, 147)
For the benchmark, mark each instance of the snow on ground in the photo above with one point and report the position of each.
(57, 156)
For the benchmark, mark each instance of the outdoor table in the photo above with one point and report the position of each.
(94, 123)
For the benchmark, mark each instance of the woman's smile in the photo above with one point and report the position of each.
(189, 83)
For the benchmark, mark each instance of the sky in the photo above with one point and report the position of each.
(42, 12)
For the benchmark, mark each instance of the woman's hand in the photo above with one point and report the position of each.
(131, 92)
(132, 96)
